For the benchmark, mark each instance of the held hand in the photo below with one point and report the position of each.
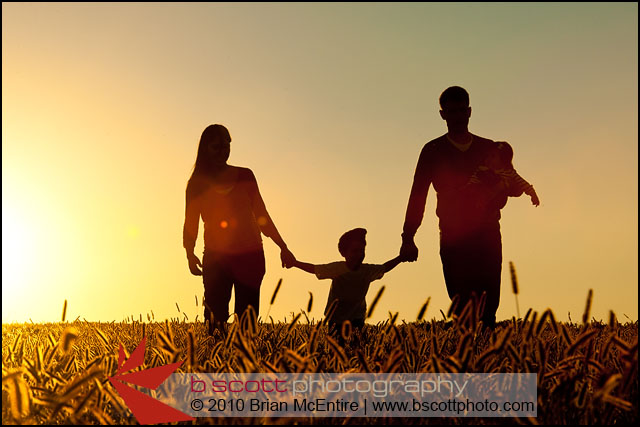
(287, 258)
(409, 251)
(194, 263)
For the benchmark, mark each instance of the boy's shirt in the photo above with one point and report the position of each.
(349, 288)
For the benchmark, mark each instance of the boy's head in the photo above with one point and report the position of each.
(351, 245)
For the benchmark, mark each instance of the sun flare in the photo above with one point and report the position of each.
(18, 241)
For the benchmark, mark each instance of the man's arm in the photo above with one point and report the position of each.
(415, 208)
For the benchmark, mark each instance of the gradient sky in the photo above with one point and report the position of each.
(329, 104)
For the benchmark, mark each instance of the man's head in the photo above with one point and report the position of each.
(351, 246)
(455, 109)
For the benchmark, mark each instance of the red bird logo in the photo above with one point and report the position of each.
(146, 409)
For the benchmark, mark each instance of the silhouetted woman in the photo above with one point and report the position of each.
(229, 202)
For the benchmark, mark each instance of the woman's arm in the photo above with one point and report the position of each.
(266, 224)
(190, 229)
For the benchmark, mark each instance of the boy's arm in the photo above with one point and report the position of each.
(390, 265)
(305, 266)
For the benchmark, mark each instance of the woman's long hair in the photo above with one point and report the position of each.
(203, 167)
(212, 134)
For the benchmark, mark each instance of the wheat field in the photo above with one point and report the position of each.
(57, 373)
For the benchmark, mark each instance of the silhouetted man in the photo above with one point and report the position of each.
(470, 241)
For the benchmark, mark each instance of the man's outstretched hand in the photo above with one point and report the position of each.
(408, 250)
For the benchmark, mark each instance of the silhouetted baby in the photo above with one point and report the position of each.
(498, 173)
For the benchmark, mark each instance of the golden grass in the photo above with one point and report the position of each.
(58, 373)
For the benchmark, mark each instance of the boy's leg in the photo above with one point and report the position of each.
(357, 331)
(335, 330)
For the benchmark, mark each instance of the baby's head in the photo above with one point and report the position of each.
(500, 157)
(351, 246)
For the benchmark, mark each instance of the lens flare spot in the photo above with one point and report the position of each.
(224, 224)
(262, 221)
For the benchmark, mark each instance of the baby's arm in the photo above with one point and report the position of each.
(531, 192)
(305, 266)
(523, 185)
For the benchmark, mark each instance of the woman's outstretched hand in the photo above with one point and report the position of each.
(194, 263)
(287, 258)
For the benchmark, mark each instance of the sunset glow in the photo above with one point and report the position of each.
(329, 105)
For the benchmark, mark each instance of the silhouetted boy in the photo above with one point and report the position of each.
(350, 279)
